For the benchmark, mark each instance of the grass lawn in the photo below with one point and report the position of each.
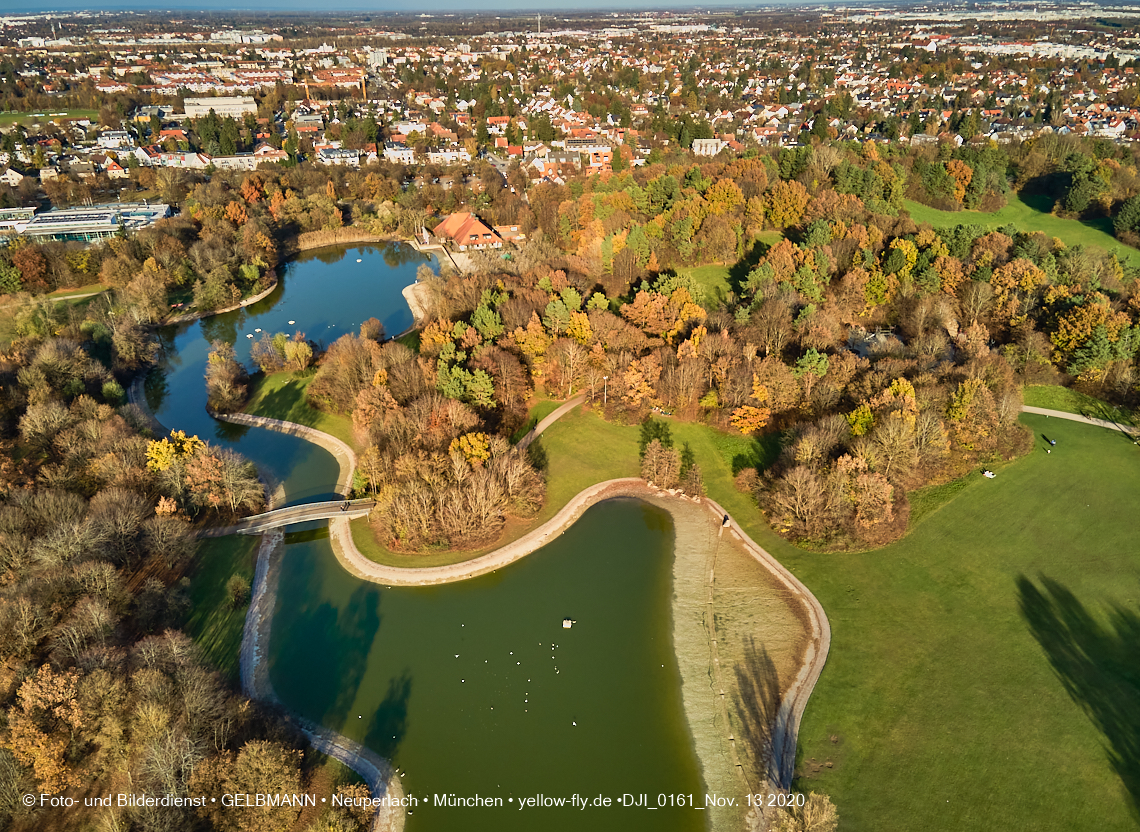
(715, 282)
(44, 116)
(211, 623)
(282, 396)
(945, 702)
(537, 413)
(1029, 217)
(1055, 397)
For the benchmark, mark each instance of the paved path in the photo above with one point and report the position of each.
(137, 397)
(345, 456)
(350, 557)
(1088, 420)
(303, 513)
(80, 295)
(537, 430)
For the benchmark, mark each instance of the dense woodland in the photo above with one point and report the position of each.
(888, 356)
(100, 691)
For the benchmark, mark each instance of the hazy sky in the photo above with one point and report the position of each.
(377, 5)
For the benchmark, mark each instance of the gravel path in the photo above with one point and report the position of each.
(537, 430)
(1088, 420)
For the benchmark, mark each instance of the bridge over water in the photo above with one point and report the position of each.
(289, 515)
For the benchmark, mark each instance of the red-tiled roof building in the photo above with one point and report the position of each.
(467, 231)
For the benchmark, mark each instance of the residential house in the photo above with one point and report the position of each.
(115, 171)
(338, 156)
(11, 177)
(708, 147)
(113, 139)
(399, 153)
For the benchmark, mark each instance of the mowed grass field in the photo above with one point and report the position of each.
(212, 623)
(945, 701)
(1027, 217)
(985, 671)
(44, 116)
(282, 396)
(1055, 397)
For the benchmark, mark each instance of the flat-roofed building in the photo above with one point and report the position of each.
(338, 156)
(228, 105)
(93, 222)
(11, 218)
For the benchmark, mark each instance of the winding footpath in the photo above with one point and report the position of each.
(537, 430)
(345, 456)
(1088, 420)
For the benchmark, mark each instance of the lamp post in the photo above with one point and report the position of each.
(605, 388)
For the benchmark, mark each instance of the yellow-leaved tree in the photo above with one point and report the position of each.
(749, 418)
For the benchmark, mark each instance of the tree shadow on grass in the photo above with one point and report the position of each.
(1098, 664)
(762, 717)
(288, 403)
(763, 451)
(738, 272)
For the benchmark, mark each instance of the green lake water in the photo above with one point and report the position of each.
(475, 687)
(470, 688)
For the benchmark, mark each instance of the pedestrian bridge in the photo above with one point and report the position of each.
(303, 513)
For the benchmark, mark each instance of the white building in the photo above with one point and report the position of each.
(447, 156)
(708, 147)
(338, 156)
(230, 105)
(399, 153)
(114, 139)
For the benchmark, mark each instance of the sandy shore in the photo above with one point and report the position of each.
(749, 644)
(416, 296)
(740, 638)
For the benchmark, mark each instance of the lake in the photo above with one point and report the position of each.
(475, 688)
(471, 688)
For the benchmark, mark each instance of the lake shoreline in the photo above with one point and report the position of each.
(727, 599)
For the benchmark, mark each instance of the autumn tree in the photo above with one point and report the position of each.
(226, 379)
(785, 203)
